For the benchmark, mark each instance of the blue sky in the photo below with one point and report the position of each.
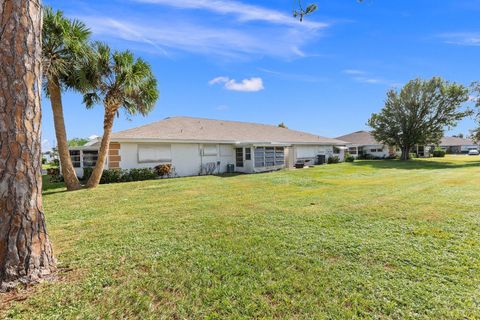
(251, 61)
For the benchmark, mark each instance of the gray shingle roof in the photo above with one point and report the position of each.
(361, 138)
(199, 129)
(453, 141)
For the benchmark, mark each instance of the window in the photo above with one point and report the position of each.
(248, 153)
(279, 156)
(90, 158)
(336, 150)
(239, 157)
(226, 151)
(154, 153)
(269, 156)
(352, 150)
(75, 156)
(210, 150)
(260, 157)
(376, 150)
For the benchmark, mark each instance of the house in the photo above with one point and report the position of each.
(362, 143)
(197, 146)
(455, 145)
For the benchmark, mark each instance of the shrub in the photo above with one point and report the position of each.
(139, 174)
(350, 159)
(55, 175)
(334, 159)
(87, 172)
(163, 170)
(412, 155)
(118, 175)
(439, 153)
(111, 176)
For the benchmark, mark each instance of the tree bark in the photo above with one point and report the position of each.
(68, 172)
(109, 116)
(25, 251)
(405, 153)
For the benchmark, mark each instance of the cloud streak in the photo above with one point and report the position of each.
(207, 40)
(226, 29)
(364, 77)
(246, 85)
(244, 12)
(462, 38)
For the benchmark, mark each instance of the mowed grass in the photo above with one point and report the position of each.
(372, 239)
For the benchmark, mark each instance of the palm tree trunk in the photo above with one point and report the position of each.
(104, 147)
(68, 172)
(25, 251)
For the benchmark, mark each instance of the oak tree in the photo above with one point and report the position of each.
(419, 113)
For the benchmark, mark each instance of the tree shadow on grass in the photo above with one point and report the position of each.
(415, 164)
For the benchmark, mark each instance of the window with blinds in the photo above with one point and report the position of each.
(154, 153)
(90, 158)
(269, 156)
(75, 156)
(239, 157)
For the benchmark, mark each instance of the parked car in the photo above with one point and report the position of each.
(473, 152)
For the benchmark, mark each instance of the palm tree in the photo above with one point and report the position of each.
(64, 44)
(121, 82)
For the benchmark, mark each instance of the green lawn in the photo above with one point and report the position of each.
(373, 239)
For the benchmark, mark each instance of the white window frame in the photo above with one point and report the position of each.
(154, 146)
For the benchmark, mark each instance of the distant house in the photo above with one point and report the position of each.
(197, 146)
(362, 143)
(454, 145)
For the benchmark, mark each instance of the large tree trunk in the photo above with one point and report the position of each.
(94, 179)
(68, 172)
(405, 153)
(25, 250)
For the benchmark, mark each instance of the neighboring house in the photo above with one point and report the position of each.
(362, 143)
(197, 146)
(49, 156)
(454, 145)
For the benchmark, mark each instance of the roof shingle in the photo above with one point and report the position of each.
(362, 138)
(199, 129)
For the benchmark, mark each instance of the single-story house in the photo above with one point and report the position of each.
(455, 145)
(362, 143)
(195, 146)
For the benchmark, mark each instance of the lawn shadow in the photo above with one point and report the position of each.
(414, 164)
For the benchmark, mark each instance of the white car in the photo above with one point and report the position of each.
(473, 152)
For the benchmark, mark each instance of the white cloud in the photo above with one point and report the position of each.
(244, 12)
(218, 80)
(222, 107)
(354, 72)
(462, 38)
(364, 77)
(227, 29)
(246, 85)
(236, 43)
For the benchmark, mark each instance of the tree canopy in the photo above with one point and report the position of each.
(120, 81)
(476, 99)
(419, 113)
(77, 142)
